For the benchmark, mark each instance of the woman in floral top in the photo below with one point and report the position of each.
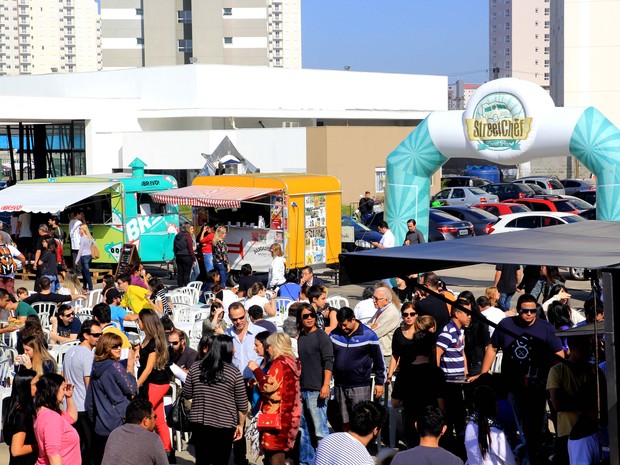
(220, 254)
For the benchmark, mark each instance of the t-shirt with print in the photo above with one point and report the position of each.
(452, 341)
(71, 328)
(531, 354)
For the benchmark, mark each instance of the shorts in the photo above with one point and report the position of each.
(348, 397)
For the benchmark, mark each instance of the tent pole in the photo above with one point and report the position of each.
(611, 296)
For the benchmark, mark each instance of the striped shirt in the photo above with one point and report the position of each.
(452, 341)
(342, 449)
(217, 405)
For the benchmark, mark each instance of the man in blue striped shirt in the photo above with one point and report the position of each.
(450, 350)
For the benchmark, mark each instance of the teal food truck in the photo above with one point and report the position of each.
(118, 209)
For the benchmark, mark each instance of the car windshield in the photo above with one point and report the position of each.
(555, 184)
(477, 191)
(537, 189)
(580, 204)
(441, 217)
(573, 219)
(346, 221)
(564, 206)
(519, 209)
(483, 214)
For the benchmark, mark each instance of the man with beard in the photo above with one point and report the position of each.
(180, 354)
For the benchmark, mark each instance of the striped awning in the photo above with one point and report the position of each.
(210, 196)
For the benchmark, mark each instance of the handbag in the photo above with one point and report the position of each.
(94, 251)
(269, 422)
(178, 416)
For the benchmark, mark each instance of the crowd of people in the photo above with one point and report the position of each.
(476, 379)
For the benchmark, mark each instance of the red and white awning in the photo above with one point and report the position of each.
(210, 196)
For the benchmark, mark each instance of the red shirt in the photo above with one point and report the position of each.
(207, 243)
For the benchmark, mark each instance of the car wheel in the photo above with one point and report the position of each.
(578, 274)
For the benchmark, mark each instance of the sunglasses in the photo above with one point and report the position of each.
(68, 315)
(307, 316)
(527, 310)
(175, 343)
(118, 346)
(405, 314)
(95, 334)
(237, 319)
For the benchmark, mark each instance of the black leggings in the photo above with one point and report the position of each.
(184, 269)
(212, 445)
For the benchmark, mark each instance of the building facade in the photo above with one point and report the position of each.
(49, 36)
(136, 33)
(519, 40)
(459, 94)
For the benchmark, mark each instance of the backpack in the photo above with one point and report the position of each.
(7, 263)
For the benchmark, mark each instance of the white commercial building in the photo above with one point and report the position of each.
(44, 36)
(170, 116)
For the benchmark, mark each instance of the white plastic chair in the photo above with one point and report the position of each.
(201, 315)
(180, 298)
(84, 314)
(195, 285)
(62, 349)
(337, 302)
(79, 304)
(195, 334)
(94, 298)
(282, 304)
(208, 297)
(182, 314)
(47, 307)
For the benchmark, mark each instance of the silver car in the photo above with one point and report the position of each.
(550, 184)
(464, 196)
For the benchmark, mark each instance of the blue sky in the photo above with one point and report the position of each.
(446, 37)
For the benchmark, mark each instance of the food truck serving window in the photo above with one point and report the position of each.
(97, 209)
(249, 213)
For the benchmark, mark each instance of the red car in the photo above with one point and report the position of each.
(499, 209)
(547, 205)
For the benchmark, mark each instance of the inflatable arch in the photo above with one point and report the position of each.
(506, 121)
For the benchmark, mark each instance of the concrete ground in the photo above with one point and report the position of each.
(475, 278)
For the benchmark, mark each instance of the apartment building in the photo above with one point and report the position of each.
(136, 33)
(459, 94)
(48, 36)
(519, 40)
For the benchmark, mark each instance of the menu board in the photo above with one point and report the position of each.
(315, 229)
(128, 256)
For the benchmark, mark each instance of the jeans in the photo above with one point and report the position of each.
(313, 425)
(504, 300)
(221, 269)
(87, 282)
(195, 271)
(208, 258)
(55, 285)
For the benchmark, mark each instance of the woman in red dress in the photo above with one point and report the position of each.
(281, 394)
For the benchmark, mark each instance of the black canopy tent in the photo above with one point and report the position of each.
(591, 244)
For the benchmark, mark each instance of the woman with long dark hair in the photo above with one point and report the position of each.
(485, 441)
(57, 439)
(111, 388)
(158, 297)
(403, 344)
(18, 425)
(549, 277)
(153, 377)
(32, 327)
(215, 322)
(47, 263)
(260, 347)
(219, 402)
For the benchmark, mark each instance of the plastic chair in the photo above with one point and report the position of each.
(62, 349)
(337, 301)
(282, 304)
(195, 334)
(182, 313)
(84, 314)
(180, 298)
(94, 298)
(47, 307)
(195, 285)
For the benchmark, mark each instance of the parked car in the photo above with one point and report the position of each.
(551, 185)
(589, 196)
(531, 220)
(547, 204)
(537, 189)
(464, 196)
(589, 214)
(503, 208)
(363, 236)
(574, 185)
(445, 227)
(463, 181)
(508, 190)
(482, 220)
(580, 204)
(441, 226)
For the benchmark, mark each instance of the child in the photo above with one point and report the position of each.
(22, 293)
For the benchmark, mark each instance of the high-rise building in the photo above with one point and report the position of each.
(519, 40)
(139, 33)
(45, 36)
(459, 94)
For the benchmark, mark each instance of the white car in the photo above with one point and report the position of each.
(464, 196)
(530, 220)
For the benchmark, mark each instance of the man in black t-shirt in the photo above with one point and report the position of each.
(65, 327)
(366, 206)
(181, 355)
(431, 305)
(506, 279)
(529, 346)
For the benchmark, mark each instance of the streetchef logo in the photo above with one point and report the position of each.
(499, 123)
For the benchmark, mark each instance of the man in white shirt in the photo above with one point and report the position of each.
(365, 309)
(8, 266)
(491, 313)
(74, 234)
(350, 448)
(388, 240)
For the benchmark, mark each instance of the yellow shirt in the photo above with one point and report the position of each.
(136, 299)
(118, 332)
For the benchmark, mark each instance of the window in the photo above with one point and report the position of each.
(507, 65)
(535, 36)
(228, 40)
(184, 16)
(536, 62)
(546, 76)
(494, 40)
(380, 179)
(547, 37)
(547, 24)
(507, 14)
(507, 26)
(507, 51)
(535, 10)
(139, 40)
(494, 28)
(139, 12)
(493, 15)
(536, 49)
(536, 23)
(494, 53)
(185, 45)
(547, 63)
(547, 50)
(507, 38)
(547, 11)
(227, 12)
